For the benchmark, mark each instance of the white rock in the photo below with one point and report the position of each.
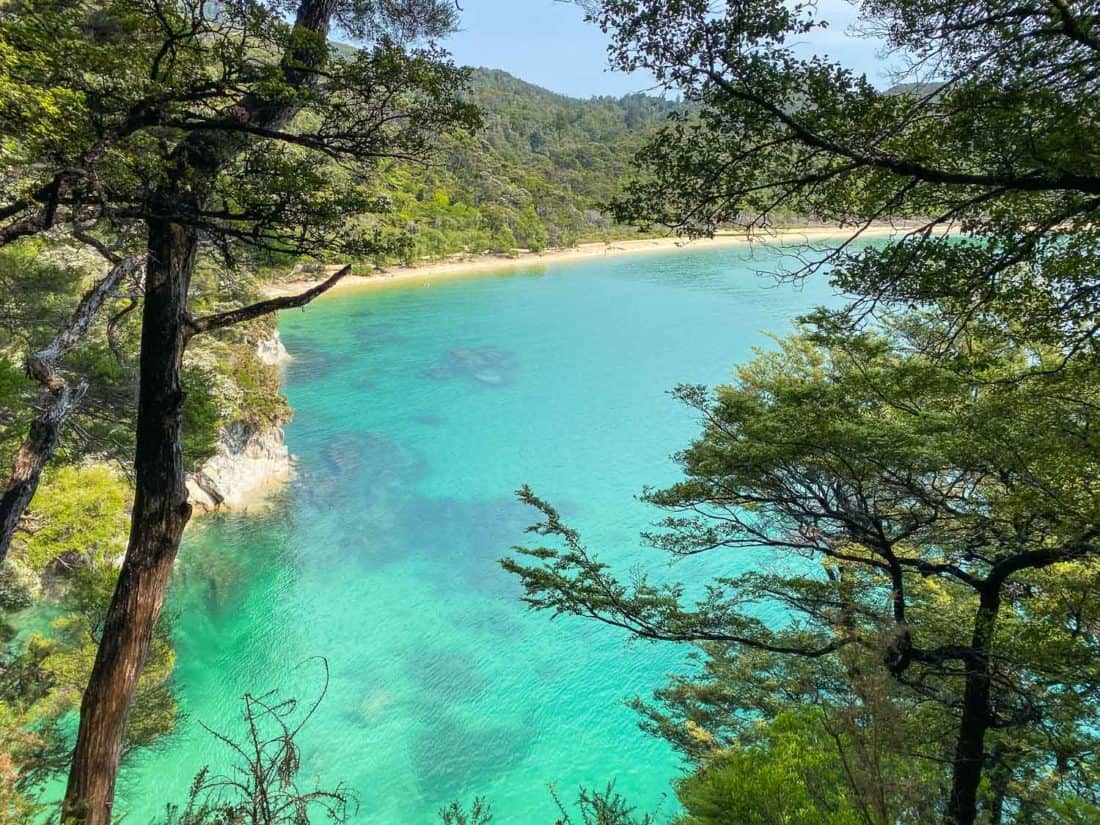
(272, 352)
(250, 462)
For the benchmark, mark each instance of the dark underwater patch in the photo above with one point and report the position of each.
(445, 677)
(487, 366)
(453, 760)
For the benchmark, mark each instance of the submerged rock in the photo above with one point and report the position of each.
(485, 365)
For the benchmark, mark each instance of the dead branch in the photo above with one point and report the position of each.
(57, 403)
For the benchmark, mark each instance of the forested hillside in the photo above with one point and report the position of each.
(536, 175)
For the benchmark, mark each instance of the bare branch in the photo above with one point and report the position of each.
(58, 402)
(261, 308)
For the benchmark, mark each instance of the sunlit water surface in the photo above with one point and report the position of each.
(419, 410)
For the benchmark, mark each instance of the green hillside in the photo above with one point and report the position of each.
(534, 176)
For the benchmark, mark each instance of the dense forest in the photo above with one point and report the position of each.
(539, 172)
(913, 473)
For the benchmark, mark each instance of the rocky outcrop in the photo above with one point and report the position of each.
(271, 351)
(249, 464)
(251, 461)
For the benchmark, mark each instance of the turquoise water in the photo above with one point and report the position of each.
(419, 410)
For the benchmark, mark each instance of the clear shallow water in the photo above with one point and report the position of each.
(418, 411)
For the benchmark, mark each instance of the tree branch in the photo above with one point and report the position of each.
(1066, 181)
(257, 310)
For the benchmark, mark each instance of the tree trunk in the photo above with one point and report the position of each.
(161, 511)
(962, 807)
(26, 468)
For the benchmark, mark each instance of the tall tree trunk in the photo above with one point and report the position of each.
(962, 807)
(160, 513)
(161, 509)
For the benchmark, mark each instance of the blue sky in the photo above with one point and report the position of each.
(548, 43)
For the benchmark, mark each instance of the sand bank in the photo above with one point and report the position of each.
(477, 265)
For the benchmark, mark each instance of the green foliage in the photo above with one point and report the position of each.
(42, 681)
(37, 292)
(537, 174)
(262, 785)
(896, 497)
(604, 807)
(259, 401)
(20, 585)
(70, 648)
(202, 415)
(993, 134)
(80, 516)
(40, 285)
(148, 87)
(32, 744)
(792, 775)
(911, 484)
(478, 814)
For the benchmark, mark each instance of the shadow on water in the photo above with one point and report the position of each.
(355, 468)
(219, 580)
(470, 535)
(445, 677)
(312, 361)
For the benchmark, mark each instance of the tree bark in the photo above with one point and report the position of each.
(962, 807)
(31, 457)
(160, 513)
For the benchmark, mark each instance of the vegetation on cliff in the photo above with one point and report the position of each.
(539, 172)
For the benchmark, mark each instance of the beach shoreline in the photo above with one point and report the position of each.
(427, 273)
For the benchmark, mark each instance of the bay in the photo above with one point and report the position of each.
(419, 410)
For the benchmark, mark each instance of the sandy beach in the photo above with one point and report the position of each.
(479, 265)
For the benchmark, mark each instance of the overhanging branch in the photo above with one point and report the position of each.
(261, 308)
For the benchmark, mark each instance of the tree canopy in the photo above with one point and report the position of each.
(913, 475)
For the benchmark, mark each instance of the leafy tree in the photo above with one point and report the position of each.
(543, 168)
(793, 776)
(928, 526)
(73, 539)
(41, 681)
(40, 292)
(170, 129)
(993, 135)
